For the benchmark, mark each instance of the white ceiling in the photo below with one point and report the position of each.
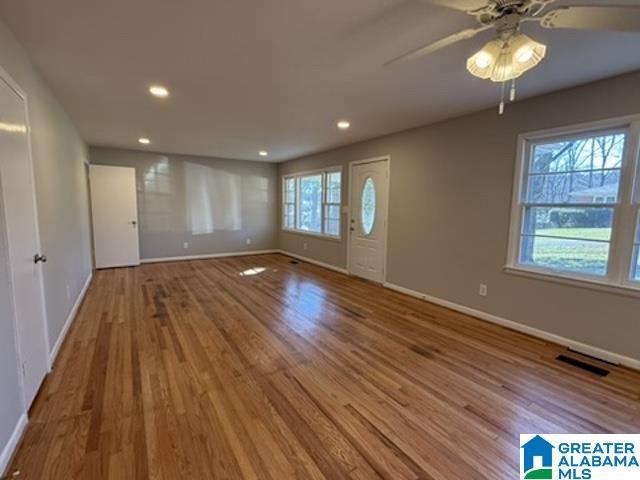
(247, 75)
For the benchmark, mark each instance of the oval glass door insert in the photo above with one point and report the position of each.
(368, 209)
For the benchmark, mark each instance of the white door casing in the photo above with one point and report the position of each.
(369, 203)
(115, 216)
(21, 222)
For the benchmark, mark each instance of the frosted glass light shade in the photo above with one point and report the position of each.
(482, 63)
(527, 53)
(504, 68)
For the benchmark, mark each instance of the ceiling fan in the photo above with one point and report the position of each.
(512, 53)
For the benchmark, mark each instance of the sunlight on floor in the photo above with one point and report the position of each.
(306, 306)
(252, 271)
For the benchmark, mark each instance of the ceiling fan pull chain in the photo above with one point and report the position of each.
(501, 106)
(512, 93)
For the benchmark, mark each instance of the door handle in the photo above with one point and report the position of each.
(134, 223)
(37, 258)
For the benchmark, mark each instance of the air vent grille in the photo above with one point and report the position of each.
(601, 372)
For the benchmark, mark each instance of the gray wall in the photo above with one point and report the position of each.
(450, 204)
(214, 205)
(59, 156)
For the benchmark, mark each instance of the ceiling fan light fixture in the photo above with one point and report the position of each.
(504, 68)
(527, 52)
(483, 60)
(504, 60)
(524, 54)
(482, 63)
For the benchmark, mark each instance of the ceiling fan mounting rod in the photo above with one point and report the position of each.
(507, 25)
(498, 9)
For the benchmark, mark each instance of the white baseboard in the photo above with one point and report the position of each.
(206, 256)
(12, 444)
(566, 342)
(67, 324)
(315, 262)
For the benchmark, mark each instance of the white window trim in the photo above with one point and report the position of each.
(326, 203)
(284, 203)
(635, 254)
(626, 211)
(297, 175)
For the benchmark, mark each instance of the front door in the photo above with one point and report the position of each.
(369, 191)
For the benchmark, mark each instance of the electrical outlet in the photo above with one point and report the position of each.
(304, 245)
(484, 291)
(186, 245)
(68, 292)
(248, 241)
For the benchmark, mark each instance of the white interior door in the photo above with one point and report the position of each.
(115, 216)
(26, 263)
(369, 191)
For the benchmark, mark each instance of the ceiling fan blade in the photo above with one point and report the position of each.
(464, 5)
(537, 7)
(440, 44)
(616, 19)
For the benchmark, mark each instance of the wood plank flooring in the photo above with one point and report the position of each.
(258, 368)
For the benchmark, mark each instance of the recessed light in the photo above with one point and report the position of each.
(158, 91)
(144, 141)
(343, 124)
(263, 153)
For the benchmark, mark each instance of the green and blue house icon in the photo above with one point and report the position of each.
(540, 448)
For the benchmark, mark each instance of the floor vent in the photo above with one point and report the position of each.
(594, 358)
(293, 262)
(601, 372)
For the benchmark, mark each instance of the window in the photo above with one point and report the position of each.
(310, 211)
(312, 203)
(368, 209)
(571, 217)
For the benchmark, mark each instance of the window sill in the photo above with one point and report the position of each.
(320, 236)
(575, 281)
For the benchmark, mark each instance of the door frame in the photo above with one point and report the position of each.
(354, 163)
(13, 85)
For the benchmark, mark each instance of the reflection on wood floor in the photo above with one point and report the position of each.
(254, 367)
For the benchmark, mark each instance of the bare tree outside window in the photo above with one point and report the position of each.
(572, 187)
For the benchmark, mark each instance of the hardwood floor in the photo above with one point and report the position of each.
(218, 369)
